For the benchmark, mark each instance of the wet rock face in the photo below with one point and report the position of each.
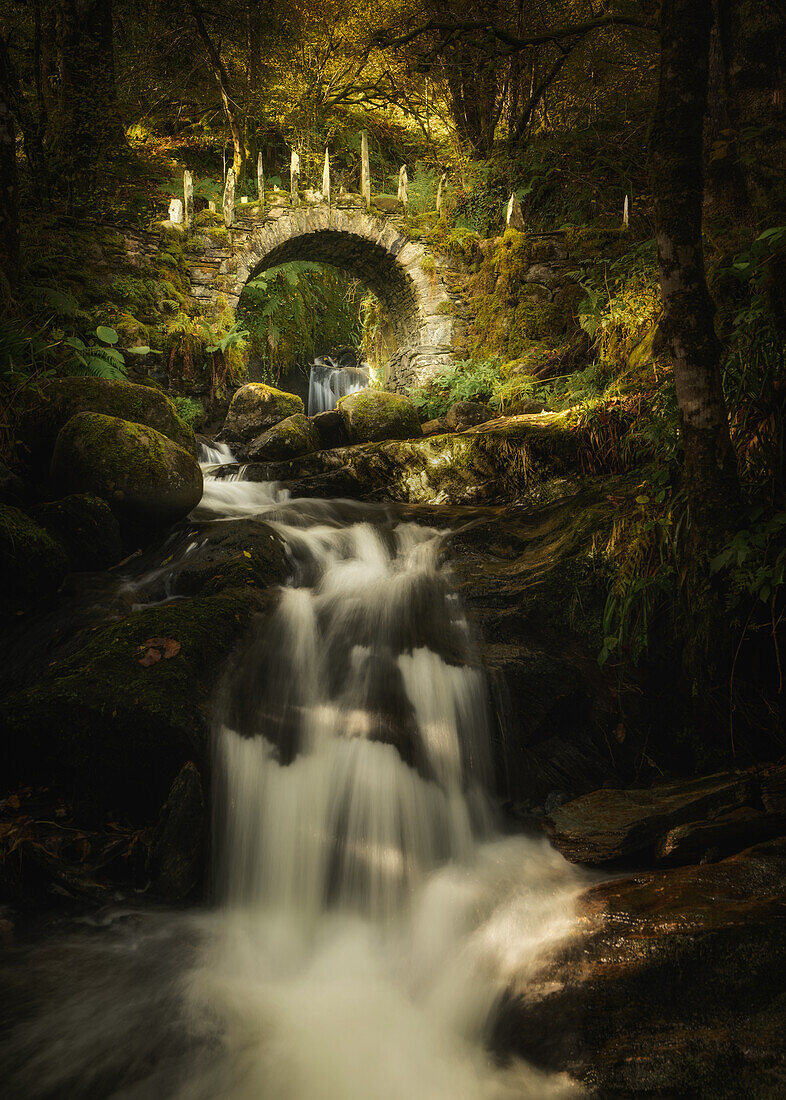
(371, 416)
(147, 479)
(255, 408)
(466, 414)
(608, 825)
(87, 529)
(673, 987)
(177, 856)
(32, 563)
(331, 430)
(509, 459)
(290, 438)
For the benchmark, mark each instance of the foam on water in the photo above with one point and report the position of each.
(368, 917)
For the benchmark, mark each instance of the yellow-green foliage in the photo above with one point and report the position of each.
(511, 315)
(461, 246)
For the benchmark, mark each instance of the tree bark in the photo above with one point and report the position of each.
(88, 122)
(222, 79)
(9, 198)
(688, 309)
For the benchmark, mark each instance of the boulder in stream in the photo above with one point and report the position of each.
(467, 414)
(375, 415)
(331, 428)
(672, 987)
(255, 408)
(608, 825)
(63, 398)
(177, 856)
(32, 563)
(290, 438)
(86, 527)
(149, 481)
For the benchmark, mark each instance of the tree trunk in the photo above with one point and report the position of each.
(88, 122)
(222, 79)
(9, 200)
(688, 310)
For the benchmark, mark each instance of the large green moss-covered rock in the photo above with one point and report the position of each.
(289, 438)
(255, 408)
(86, 527)
(517, 458)
(32, 563)
(65, 397)
(149, 481)
(112, 732)
(374, 415)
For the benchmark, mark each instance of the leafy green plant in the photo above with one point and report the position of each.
(754, 370)
(190, 410)
(466, 380)
(298, 311)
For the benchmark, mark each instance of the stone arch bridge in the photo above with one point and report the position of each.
(407, 277)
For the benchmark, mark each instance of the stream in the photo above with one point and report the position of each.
(367, 915)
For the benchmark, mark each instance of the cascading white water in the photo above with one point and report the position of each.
(368, 916)
(329, 381)
(215, 454)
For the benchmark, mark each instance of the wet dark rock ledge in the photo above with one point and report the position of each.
(673, 989)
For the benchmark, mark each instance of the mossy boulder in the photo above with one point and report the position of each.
(290, 438)
(86, 527)
(65, 397)
(112, 733)
(32, 563)
(110, 728)
(255, 408)
(331, 429)
(149, 481)
(374, 415)
(467, 414)
(176, 860)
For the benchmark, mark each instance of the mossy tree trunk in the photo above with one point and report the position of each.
(688, 309)
(9, 200)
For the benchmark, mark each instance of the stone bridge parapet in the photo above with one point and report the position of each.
(404, 274)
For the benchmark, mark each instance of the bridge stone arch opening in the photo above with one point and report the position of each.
(404, 275)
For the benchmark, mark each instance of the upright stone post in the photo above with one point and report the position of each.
(443, 186)
(626, 213)
(260, 180)
(403, 187)
(514, 219)
(365, 169)
(294, 177)
(176, 212)
(326, 178)
(229, 199)
(188, 195)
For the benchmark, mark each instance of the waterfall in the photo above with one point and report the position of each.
(330, 380)
(368, 915)
(215, 454)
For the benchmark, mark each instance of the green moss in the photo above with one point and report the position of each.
(64, 397)
(372, 415)
(84, 525)
(293, 436)
(208, 219)
(114, 730)
(32, 563)
(460, 245)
